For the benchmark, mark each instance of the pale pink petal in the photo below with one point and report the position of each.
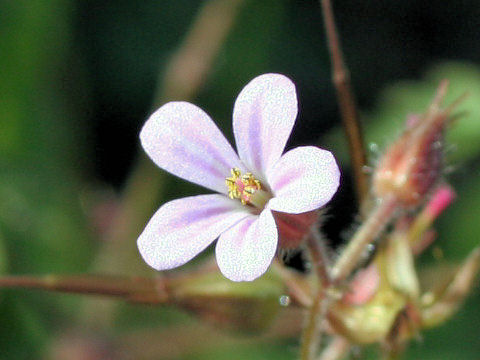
(183, 140)
(245, 251)
(304, 179)
(182, 228)
(263, 118)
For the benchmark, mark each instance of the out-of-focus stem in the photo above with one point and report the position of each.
(190, 65)
(311, 336)
(371, 228)
(348, 110)
(141, 290)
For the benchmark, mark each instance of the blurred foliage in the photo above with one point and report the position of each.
(77, 81)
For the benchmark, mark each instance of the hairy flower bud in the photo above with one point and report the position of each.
(413, 164)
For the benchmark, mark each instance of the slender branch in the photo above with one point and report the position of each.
(311, 336)
(348, 110)
(372, 227)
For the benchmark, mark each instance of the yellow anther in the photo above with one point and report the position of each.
(242, 187)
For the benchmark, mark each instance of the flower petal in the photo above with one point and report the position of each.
(263, 118)
(245, 251)
(183, 140)
(182, 228)
(304, 179)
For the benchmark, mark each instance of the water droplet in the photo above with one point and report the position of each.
(373, 147)
(284, 300)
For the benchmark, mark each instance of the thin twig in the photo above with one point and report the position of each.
(311, 336)
(348, 110)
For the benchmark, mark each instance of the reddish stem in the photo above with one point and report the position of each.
(346, 102)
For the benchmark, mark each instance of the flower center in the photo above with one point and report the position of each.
(246, 188)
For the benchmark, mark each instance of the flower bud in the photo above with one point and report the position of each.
(413, 164)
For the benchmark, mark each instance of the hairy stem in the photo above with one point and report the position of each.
(348, 110)
(371, 228)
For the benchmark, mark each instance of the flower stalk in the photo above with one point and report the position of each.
(311, 336)
(373, 226)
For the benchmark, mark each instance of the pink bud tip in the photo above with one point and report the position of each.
(442, 197)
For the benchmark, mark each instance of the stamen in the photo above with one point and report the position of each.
(243, 187)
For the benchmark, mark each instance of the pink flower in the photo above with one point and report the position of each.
(182, 139)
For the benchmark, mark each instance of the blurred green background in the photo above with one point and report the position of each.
(77, 81)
